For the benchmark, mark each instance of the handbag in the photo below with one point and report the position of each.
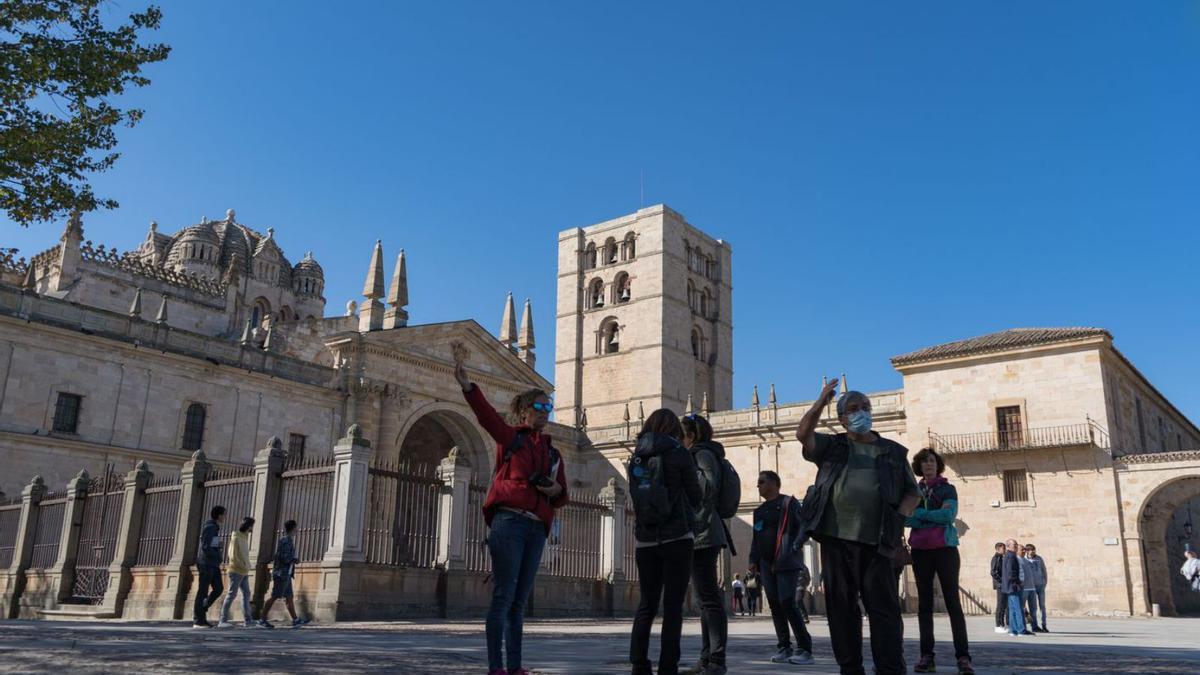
(902, 556)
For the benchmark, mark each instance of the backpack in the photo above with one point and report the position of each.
(730, 495)
(648, 490)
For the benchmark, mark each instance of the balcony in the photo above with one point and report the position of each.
(1069, 435)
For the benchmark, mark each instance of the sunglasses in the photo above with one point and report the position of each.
(543, 407)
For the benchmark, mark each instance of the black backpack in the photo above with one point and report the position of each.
(648, 490)
(730, 496)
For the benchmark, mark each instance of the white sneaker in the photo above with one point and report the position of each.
(801, 658)
(225, 624)
(782, 655)
(1001, 629)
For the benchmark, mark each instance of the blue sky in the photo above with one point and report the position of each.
(891, 175)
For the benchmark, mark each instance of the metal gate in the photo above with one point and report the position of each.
(102, 510)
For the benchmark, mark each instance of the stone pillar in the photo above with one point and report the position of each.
(125, 553)
(268, 464)
(352, 456)
(455, 473)
(62, 575)
(22, 555)
(612, 532)
(187, 532)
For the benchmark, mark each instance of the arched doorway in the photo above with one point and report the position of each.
(1165, 527)
(432, 431)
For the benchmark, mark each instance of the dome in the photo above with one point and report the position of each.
(308, 268)
(198, 242)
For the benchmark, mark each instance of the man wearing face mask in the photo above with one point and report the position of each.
(856, 509)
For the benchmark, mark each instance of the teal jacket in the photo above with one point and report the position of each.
(932, 522)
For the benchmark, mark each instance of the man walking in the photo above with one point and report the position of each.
(1001, 598)
(282, 571)
(208, 566)
(1010, 583)
(776, 555)
(856, 509)
(1035, 588)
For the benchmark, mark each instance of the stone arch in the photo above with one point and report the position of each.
(1161, 553)
(429, 433)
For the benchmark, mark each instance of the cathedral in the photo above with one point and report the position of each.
(211, 345)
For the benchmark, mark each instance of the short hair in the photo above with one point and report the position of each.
(919, 459)
(999, 544)
(1031, 547)
(771, 476)
(665, 422)
(217, 512)
(697, 426)
(849, 396)
(289, 526)
(247, 523)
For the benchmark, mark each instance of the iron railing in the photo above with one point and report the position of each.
(573, 548)
(629, 560)
(306, 496)
(48, 530)
(1067, 435)
(475, 553)
(10, 523)
(402, 517)
(101, 520)
(232, 488)
(160, 518)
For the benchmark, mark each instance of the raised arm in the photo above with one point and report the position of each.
(806, 431)
(489, 419)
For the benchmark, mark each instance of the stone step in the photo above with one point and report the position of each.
(76, 613)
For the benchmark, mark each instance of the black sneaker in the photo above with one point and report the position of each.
(263, 623)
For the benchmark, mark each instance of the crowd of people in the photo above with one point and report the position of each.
(1019, 576)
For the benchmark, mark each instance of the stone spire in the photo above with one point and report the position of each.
(754, 399)
(247, 333)
(161, 318)
(704, 404)
(508, 325)
(688, 409)
(370, 316)
(69, 255)
(772, 400)
(29, 282)
(135, 309)
(397, 297)
(525, 342)
(641, 413)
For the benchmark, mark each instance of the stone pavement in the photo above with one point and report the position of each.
(555, 646)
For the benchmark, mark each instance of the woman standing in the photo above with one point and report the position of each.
(934, 544)
(710, 541)
(530, 481)
(663, 486)
(753, 592)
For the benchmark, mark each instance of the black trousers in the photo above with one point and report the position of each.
(662, 574)
(780, 588)
(210, 578)
(944, 563)
(752, 599)
(1001, 609)
(853, 570)
(714, 623)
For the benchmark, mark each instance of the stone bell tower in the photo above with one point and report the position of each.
(644, 319)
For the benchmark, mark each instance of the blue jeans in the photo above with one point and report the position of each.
(237, 582)
(516, 544)
(1016, 613)
(1041, 600)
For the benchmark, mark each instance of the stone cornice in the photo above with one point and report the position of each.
(1158, 457)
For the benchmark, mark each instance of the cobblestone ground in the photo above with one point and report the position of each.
(559, 646)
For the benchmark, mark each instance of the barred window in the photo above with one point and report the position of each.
(1016, 485)
(296, 445)
(193, 427)
(66, 413)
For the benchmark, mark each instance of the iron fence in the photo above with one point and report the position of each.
(48, 531)
(160, 518)
(573, 548)
(475, 553)
(10, 523)
(103, 506)
(306, 496)
(1017, 439)
(404, 503)
(629, 559)
(232, 488)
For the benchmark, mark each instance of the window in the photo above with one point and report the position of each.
(628, 247)
(1162, 435)
(691, 295)
(595, 296)
(262, 310)
(695, 344)
(622, 288)
(610, 251)
(1016, 485)
(1008, 426)
(193, 427)
(610, 337)
(66, 413)
(296, 446)
(589, 257)
(1141, 426)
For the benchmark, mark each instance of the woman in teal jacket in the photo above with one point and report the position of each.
(934, 544)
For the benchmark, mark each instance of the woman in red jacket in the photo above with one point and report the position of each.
(530, 481)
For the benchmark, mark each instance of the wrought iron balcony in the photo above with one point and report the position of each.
(1068, 435)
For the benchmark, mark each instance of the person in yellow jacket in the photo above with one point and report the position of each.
(237, 560)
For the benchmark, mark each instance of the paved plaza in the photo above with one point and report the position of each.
(554, 646)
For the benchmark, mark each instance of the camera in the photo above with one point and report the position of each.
(539, 479)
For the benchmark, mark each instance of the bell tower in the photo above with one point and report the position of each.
(644, 317)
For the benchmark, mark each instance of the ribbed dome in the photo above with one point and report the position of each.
(308, 268)
(196, 235)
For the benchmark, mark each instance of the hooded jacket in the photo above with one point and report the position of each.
(710, 531)
(238, 553)
(209, 553)
(681, 478)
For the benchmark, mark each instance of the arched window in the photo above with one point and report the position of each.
(691, 295)
(260, 312)
(695, 343)
(628, 248)
(610, 251)
(589, 257)
(705, 303)
(193, 427)
(610, 337)
(595, 296)
(622, 288)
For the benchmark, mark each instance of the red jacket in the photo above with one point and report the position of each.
(510, 484)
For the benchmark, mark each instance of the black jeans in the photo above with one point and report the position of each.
(852, 570)
(1001, 609)
(780, 588)
(662, 573)
(210, 578)
(943, 562)
(714, 624)
(752, 599)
